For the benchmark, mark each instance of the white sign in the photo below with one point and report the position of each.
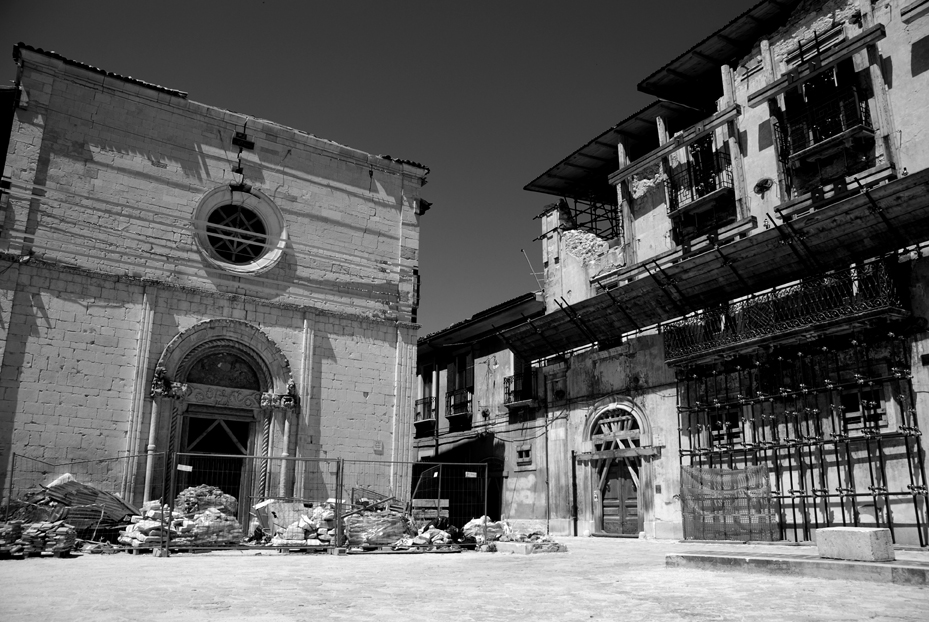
(470, 474)
(185, 467)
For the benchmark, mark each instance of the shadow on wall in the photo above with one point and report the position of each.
(919, 56)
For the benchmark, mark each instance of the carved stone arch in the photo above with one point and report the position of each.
(234, 336)
(622, 402)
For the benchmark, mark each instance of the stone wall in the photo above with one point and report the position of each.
(106, 264)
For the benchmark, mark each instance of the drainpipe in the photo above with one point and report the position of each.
(548, 490)
(435, 427)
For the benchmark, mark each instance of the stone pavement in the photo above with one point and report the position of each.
(598, 579)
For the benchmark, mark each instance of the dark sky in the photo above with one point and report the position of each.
(489, 95)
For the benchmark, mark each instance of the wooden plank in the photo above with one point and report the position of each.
(678, 142)
(626, 452)
(816, 65)
(430, 503)
(626, 434)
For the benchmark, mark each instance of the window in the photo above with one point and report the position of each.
(236, 234)
(524, 455)
(863, 408)
(825, 132)
(701, 199)
(239, 230)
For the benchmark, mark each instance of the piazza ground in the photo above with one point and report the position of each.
(598, 579)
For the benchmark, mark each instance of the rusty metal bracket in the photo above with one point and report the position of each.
(877, 210)
(574, 317)
(623, 309)
(728, 263)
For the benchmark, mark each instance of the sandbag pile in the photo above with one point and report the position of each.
(428, 538)
(495, 530)
(142, 533)
(17, 537)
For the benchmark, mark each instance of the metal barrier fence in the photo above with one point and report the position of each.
(294, 487)
(97, 497)
(263, 494)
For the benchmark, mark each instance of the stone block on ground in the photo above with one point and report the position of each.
(865, 544)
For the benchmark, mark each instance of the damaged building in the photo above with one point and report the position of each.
(734, 342)
(178, 278)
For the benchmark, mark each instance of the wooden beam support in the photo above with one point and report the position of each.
(816, 65)
(626, 452)
(689, 135)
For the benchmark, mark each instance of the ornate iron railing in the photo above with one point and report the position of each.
(458, 402)
(694, 181)
(809, 127)
(425, 409)
(815, 300)
(519, 388)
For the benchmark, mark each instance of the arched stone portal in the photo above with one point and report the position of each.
(615, 432)
(227, 387)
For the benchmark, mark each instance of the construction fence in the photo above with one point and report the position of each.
(208, 501)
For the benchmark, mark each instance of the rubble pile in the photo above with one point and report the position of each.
(203, 497)
(92, 512)
(541, 542)
(477, 527)
(9, 534)
(384, 528)
(17, 537)
(203, 515)
(314, 529)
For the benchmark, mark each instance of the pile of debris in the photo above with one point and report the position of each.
(316, 528)
(484, 530)
(198, 498)
(18, 538)
(376, 528)
(93, 513)
(501, 532)
(203, 516)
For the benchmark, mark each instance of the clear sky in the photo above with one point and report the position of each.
(489, 95)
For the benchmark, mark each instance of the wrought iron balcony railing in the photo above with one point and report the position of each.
(519, 388)
(807, 128)
(695, 180)
(425, 409)
(835, 296)
(458, 403)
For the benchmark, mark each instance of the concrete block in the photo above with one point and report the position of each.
(866, 544)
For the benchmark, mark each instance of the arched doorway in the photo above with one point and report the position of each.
(216, 432)
(615, 479)
(229, 390)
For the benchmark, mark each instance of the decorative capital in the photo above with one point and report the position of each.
(278, 400)
(161, 384)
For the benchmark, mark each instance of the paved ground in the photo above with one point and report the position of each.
(599, 579)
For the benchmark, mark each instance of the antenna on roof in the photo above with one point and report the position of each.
(532, 271)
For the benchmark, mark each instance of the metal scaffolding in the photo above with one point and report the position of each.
(833, 421)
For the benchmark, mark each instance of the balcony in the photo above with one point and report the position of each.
(520, 390)
(824, 129)
(426, 409)
(841, 297)
(696, 186)
(458, 404)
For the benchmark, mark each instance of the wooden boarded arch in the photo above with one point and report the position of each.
(615, 434)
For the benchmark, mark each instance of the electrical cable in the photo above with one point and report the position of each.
(159, 212)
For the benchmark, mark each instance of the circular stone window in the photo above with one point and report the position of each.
(238, 231)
